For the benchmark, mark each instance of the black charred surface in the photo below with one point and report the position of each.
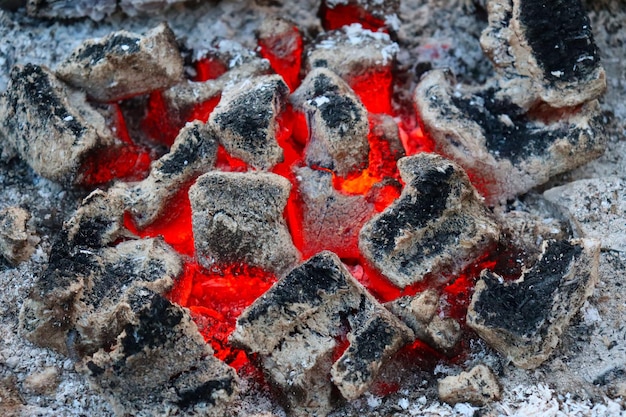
(559, 33)
(413, 212)
(189, 152)
(305, 284)
(116, 45)
(368, 347)
(66, 265)
(33, 85)
(340, 112)
(205, 392)
(323, 85)
(91, 231)
(95, 369)
(516, 141)
(154, 328)
(521, 308)
(249, 117)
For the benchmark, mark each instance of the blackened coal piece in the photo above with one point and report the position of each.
(294, 329)
(436, 227)
(524, 319)
(124, 64)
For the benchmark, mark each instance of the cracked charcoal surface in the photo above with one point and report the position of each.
(524, 319)
(49, 125)
(246, 120)
(337, 121)
(301, 316)
(509, 149)
(238, 218)
(124, 64)
(436, 226)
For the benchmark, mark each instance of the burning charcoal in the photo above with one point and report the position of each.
(246, 120)
(506, 150)
(330, 220)
(50, 126)
(17, 239)
(181, 99)
(437, 226)
(524, 319)
(543, 58)
(280, 42)
(238, 218)
(337, 121)
(70, 9)
(295, 326)
(160, 364)
(194, 152)
(373, 14)
(124, 64)
(363, 59)
(418, 313)
(599, 206)
(79, 305)
(479, 386)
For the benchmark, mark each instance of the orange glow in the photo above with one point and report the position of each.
(374, 90)
(216, 297)
(209, 68)
(284, 52)
(174, 224)
(226, 162)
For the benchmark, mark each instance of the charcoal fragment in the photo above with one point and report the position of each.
(437, 226)
(49, 125)
(294, 329)
(17, 237)
(160, 363)
(237, 218)
(124, 64)
(337, 122)
(499, 142)
(524, 319)
(541, 58)
(246, 120)
(478, 386)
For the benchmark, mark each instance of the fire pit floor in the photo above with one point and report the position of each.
(585, 375)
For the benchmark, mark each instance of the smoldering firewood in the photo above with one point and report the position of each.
(294, 328)
(124, 64)
(337, 122)
(524, 319)
(543, 58)
(498, 142)
(246, 120)
(237, 218)
(436, 227)
(50, 125)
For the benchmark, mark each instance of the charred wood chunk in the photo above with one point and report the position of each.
(362, 58)
(160, 363)
(478, 386)
(337, 122)
(331, 220)
(237, 217)
(295, 326)
(508, 150)
(436, 227)
(524, 319)
(546, 49)
(124, 64)
(194, 152)
(80, 304)
(49, 125)
(17, 238)
(418, 313)
(246, 120)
